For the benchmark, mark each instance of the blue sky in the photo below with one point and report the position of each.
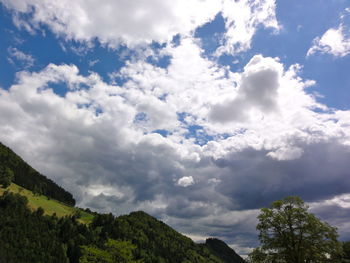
(198, 112)
(300, 25)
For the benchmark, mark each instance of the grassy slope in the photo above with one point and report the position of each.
(50, 206)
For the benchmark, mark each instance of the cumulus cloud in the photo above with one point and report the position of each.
(258, 88)
(242, 19)
(115, 22)
(142, 22)
(335, 41)
(185, 181)
(102, 141)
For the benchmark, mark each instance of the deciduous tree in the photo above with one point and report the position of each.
(290, 234)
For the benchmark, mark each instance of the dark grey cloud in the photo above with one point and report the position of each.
(335, 215)
(255, 180)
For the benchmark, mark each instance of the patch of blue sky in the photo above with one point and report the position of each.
(181, 116)
(163, 97)
(176, 41)
(7, 34)
(159, 61)
(332, 77)
(140, 117)
(162, 132)
(59, 88)
(196, 132)
(211, 34)
(199, 135)
(98, 111)
(107, 60)
(93, 107)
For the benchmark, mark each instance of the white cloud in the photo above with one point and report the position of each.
(242, 18)
(93, 62)
(19, 58)
(116, 22)
(185, 181)
(140, 22)
(89, 140)
(335, 41)
(258, 88)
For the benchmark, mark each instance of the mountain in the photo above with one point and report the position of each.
(36, 228)
(29, 178)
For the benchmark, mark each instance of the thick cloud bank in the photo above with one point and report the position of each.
(201, 148)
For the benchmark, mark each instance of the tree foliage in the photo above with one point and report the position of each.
(113, 251)
(154, 240)
(223, 251)
(290, 234)
(346, 252)
(6, 176)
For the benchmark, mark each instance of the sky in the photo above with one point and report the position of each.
(199, 112)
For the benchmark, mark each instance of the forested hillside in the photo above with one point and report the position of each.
(223, 251)
(30, 236)
(25, 176)
(155, 241)
(28, 233)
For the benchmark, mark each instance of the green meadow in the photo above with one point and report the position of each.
(50, 206)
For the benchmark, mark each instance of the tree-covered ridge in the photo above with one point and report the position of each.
(155, 241)
(31, 236)
(27, 177)
(28, 233)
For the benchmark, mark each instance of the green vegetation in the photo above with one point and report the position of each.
(27, 177)
(28, 235)
(6, 176)
(223, 251)
(50, 206)
(289, 234)
(37, 228)
(155, 241)
(114, 251)
(346, 252)
(40, 224)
